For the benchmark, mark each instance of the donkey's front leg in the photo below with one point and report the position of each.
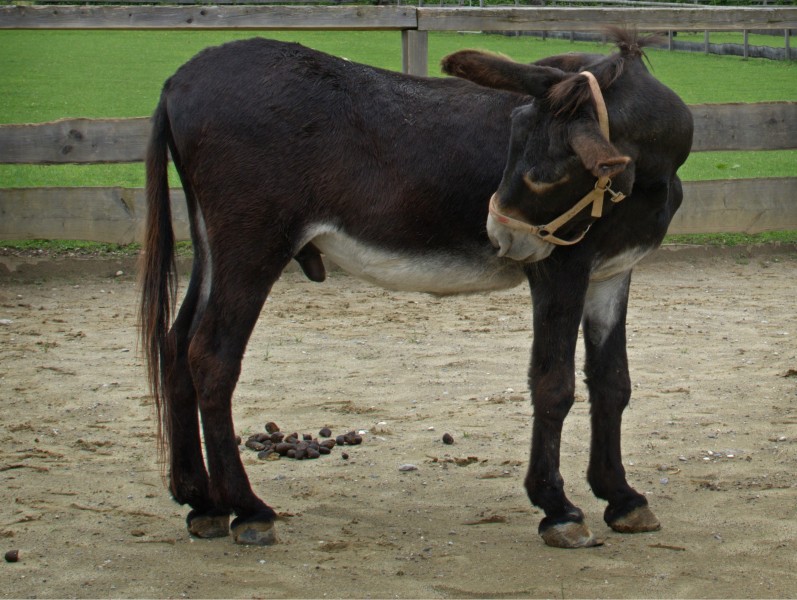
(558, 304)
(609, 393)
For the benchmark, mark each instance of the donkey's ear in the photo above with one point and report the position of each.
(497, 71)
(597, 154)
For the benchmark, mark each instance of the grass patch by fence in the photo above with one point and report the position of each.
(49, 75)
(79, 248)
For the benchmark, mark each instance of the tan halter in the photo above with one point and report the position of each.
(594, 197)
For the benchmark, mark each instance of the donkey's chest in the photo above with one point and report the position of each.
(441, 272)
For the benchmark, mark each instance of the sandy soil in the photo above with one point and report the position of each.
(710, 437)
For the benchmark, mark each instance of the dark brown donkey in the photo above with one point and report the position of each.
(287, 153)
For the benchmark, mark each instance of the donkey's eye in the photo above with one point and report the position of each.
(540, 187)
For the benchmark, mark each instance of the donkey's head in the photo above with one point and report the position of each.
(571, 145)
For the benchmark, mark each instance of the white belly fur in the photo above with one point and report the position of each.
(606, 268)
(435, 273)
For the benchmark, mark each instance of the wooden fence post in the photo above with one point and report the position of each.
(746, 51)
(415, 52)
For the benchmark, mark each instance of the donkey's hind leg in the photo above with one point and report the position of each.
(237, 294)
(188, 478)
(609, 393)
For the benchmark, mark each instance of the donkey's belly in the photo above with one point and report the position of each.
(454, 271)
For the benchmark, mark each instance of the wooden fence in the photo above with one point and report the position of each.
(414, 23)
(117, 215)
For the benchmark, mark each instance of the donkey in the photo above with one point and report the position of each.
(562, 173)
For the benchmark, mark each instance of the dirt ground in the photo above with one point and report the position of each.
(710, 437)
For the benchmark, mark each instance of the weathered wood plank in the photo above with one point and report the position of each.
(113, 215)
(75, 141)
(197, 2)
(415, 52)
(393, 17)
(117, 215)
(592, 18)
(208, 17)
(738, 206)
(763, 126)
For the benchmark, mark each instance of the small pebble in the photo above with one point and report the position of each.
(408, 467)
(448, 439)
(325, 432)
(271, 427)
(345, 456)
(12, 556)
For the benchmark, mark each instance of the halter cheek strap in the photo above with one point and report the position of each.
(594, 197)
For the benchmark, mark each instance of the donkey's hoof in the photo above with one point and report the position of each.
(569, 535)
(254, 533)
(637, 521)
(208, 525)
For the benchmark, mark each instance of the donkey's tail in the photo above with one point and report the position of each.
(158, 279)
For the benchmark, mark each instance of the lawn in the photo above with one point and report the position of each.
(50, 75)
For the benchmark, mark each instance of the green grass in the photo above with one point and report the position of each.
(96, 249)
(78, 248)
(734, 239)
(704, 166)
(48, 75)
(66, 248)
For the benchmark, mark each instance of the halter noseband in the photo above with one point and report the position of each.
(594, 197)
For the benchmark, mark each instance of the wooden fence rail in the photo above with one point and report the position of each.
(395, 17)
(415, 23)
(763, 126)
(116, 215)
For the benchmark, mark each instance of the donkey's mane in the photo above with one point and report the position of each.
(566, 97)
